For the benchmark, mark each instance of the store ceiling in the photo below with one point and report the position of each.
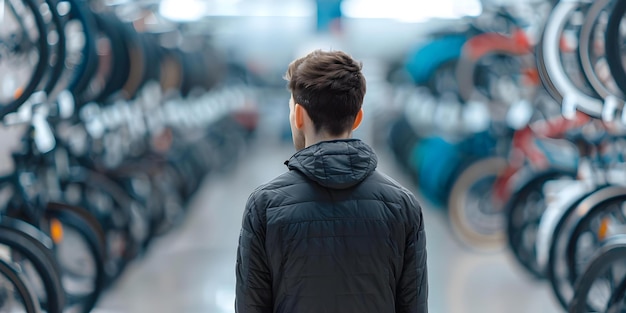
(269, 33)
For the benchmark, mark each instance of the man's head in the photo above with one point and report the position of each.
(327, 90)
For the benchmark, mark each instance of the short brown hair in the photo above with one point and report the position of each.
(330, 86)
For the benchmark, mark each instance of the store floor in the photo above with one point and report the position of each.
(192, 269)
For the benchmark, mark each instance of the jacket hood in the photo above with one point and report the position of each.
(337, 164)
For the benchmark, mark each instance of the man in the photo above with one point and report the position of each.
(333, 234)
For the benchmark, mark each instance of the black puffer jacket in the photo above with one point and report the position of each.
(332, 235)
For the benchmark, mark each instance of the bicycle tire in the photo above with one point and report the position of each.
(113, 223)
(87, 217)
(121, 55)
(435, 161)
(442, 82)
(137, 61)
(173, 210)
(42, 259)
(183, 163)
(225, 139)
(477, 48)
(56, 70)
(597, 203)
(89, 63)
(40, 68)
(152, 56)
(616, 302)
(124, 201)
(543, 73)
(612, 45)
(584, 44)
(150, 204)
(401, 139)
(458, 205)
(88, 228)
(527, 259)
(31, 304)
(554, 69)
(553, 254)
(119, 65)
(422, 63)
(613, 250)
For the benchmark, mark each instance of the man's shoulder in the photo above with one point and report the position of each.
(285, 180)
(389, 190)
(279, 190)
(387, 183)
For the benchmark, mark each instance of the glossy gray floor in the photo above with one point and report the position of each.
(192, 269)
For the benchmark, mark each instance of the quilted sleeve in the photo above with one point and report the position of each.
(412, 289)
(254, 281)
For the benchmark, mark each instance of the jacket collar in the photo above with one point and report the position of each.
(336, 164)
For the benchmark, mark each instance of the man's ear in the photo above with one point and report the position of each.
(358, 120)
(299, 113)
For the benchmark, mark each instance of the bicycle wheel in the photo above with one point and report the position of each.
(556, 263)
(137, 61)
(36, 260)
(475, 218)
(424, 61)
(614, 45)
(435, 162)
(79, 249)
(523, 212)
(15, 293)
(548, 85)
(591, 59)
(492, 56)
(112, 207)
(603, 212)
(81, 56)
(573, 87)
(224, 140)
(152, 57)
(122, 54)
(166, 184)
(401, 139)
(181, 161)
(56, 39)
(112, 62)
(617, 302)
(23, 53)
(137, 183)
(607, 268)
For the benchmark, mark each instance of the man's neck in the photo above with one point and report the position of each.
(317, 138)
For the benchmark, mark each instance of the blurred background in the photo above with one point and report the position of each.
(134, 131)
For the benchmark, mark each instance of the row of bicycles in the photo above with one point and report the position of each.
(516, 127)
(123, 115)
